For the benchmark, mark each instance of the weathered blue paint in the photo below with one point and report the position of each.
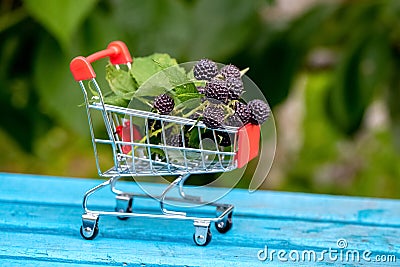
(40, 218)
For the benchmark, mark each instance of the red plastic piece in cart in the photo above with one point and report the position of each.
(81, 67)
(124, 132)
(117, 51)
(249, 143)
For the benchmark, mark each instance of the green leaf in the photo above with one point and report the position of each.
(361, 73)
(145, 67)
(177, 75)
(194, 140)
(187, 88)
(157, 151)
(164, 61)
(375, 68)
(344, 105)
(116, 100)
(61, 18)
(153, 87)
(137, 86)
(120, 82)
(187, 96)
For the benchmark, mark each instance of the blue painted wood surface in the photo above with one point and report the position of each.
(40, 218)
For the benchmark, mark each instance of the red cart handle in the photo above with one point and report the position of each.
(81, 67)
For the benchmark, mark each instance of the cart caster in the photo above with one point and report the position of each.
(89, 228)
(225, 224)
(124, 205)
(202, 235)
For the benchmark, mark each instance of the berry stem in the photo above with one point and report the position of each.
(193, 111)
(243, 72)
(155, 133)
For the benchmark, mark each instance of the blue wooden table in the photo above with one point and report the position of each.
(40, 218)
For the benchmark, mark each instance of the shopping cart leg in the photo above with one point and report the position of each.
(90, 219)
(114, 189)
(124, 200)
(182, 192)
(223, 211)
(163, 195)
(91, 191)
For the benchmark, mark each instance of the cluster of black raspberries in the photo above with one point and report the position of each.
(223, 91)
(222, 98)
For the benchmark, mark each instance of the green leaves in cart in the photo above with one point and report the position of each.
(145, 67)
(121, 82)
(116, 100)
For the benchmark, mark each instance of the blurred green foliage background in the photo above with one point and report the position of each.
(329, 69)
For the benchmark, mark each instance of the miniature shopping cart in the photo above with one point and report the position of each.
(132, 157)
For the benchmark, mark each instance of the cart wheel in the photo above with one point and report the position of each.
(89, 234)
(89, 228)
(201, 240)
(124, 218)
(225, 225)
(124, 205)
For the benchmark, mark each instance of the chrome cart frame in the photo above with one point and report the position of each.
(132, 156)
